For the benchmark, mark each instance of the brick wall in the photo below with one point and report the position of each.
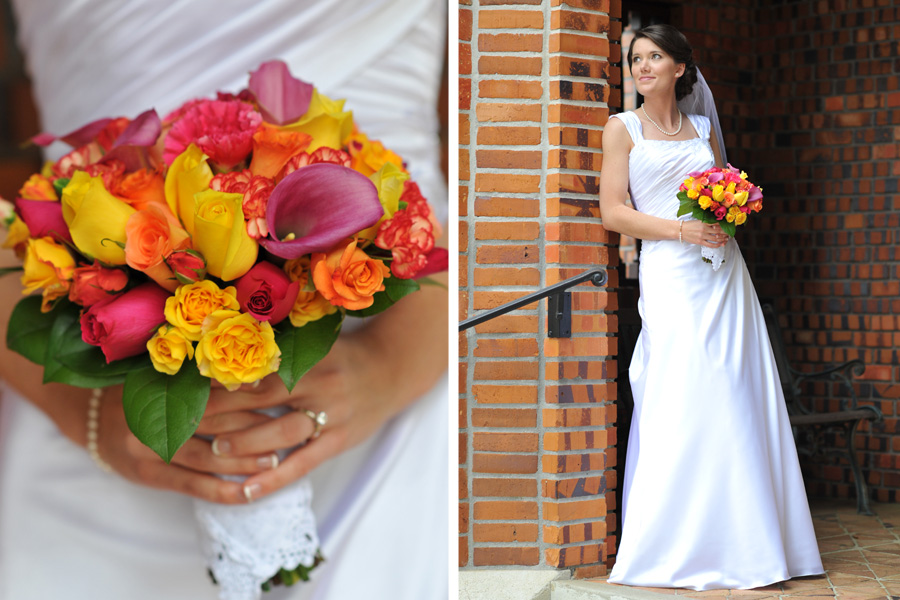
(809, 97)
(537, 440)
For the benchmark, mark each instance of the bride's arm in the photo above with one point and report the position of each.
(67, 407)
(619, 217)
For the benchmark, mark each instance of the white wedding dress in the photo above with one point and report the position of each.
(713, 496)
(69, 530)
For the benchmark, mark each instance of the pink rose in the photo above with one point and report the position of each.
(44, 218)
(92, 284)
(721, 212)
(122, 326)
(267, 293)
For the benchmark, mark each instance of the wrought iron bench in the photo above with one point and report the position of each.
(810, 440)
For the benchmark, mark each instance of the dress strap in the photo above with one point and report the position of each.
(701, 124)
(632, 124)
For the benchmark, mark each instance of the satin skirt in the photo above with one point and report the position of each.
(713, 495)
(69, 530)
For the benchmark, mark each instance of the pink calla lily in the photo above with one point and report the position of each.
(282, 98)
(315, 207)
(81, 136)
(132, 145)
(43, 217)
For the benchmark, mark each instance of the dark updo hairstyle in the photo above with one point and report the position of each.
(672, 42)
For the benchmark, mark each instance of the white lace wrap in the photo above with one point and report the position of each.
(245, 546)
(715, 255)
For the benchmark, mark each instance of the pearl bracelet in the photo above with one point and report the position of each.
(93, 429)
(680, 232)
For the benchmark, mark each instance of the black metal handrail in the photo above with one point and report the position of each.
(559, 302)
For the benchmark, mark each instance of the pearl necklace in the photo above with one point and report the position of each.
(655, 124)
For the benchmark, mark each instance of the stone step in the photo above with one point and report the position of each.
(598, 590)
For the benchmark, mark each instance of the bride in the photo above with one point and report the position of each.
(378, 470)
(713, 496)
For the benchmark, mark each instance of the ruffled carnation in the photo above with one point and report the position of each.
(222, 129)
(321, 155)
(256, 190)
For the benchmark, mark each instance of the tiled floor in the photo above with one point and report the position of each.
(861, 556)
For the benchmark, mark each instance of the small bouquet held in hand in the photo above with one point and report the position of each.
(226, 241)
(721, 196)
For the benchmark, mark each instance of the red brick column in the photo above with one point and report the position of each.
(537, 433)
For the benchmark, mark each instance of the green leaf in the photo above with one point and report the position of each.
(29, 329)
(727, 227)
(394, 289)
(163, 411)
(65, 339)
(6, 270)
(683, 197)
(302, 347)
(685, 209)
(60, 184)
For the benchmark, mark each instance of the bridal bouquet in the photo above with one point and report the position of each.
(226, 241)
(722, 196)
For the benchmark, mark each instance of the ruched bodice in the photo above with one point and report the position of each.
(657, 167)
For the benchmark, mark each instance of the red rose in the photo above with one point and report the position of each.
(122, 326)
(267, 293)
(93, 283)
(187, 265)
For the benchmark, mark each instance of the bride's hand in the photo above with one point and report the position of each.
(369, 376)
(352, 385)
(193, 468)
(703, 234)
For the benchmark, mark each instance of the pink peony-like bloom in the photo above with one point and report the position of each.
(222, 129)
(122, 326)
(267, 293)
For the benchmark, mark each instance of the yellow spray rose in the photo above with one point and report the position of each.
(235, 348)
(732, 214)
(325, 121)
(168, 349)
(310, 305)
(740, 218)
(693, 194)
(740, 198)
(220, 234)
(96, 218)
(188, 175)
(704, 202)
(192, 303)
(48, 266)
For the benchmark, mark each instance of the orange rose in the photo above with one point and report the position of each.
(38, 187)
(141, 188)
(273, 147)
(152, 235)
(310, 305)
(369, 156)
(347, 277)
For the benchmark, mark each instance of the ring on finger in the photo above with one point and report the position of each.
(320, 419)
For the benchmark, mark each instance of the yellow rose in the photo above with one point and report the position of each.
(220, 234)
(740, 218)
(730, 188)
(168, 349)
(389, 182)
(47, 265)
(741, 198)
(17, 234)
(718, 192)
(704, 202)
(96, 218)
(236, 348)
(194, 302)
(693, 194)
(188, 175)
(325, 121)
